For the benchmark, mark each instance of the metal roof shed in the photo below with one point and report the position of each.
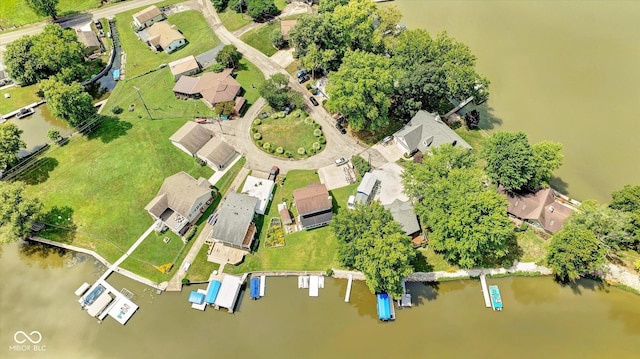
(228, 293)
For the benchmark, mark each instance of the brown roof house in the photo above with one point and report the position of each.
(211, 87)
(234, 226)
(314, 205)
(184, 66)
(191, 137)
(540, 209)
(90, 42)
(217, 154)
(424, 131)
(286, 26)
(181, 200)
(147, 17)
(166, 37)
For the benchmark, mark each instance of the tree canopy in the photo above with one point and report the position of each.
(17, 212)
(627, 200)
(10, 144)
(610, 227)
(372, 242)
(466, 220)
(276, 91)
(229, 56)
(574, 253)
(361, 90)
(44, 7)
(55, 50)
(69, 102)
(261, 10)
(220, 5)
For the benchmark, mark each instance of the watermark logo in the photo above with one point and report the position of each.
(27, 342)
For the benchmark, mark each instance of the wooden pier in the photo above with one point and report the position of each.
(485, 291)
(348, 294)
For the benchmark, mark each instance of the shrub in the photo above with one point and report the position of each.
(274, 116)
(418, 157)
(281, 114)
(288, 154)
(254, 129)
(308, 121)
(257, 122)
(322, 140)
(301, 151)
(316, 146)
(186, 281)
(266, 146)
(330, 272)
(217, 67)
(317, 126)
(317, 132)
(637, 265)
(257, 136)
(190, 233)
(456, 125)
(311, 150)
(200, 162)
(280, 150)
(277, 39)
(308, 86)
(259, 143)
(117, 110)
(361, 165)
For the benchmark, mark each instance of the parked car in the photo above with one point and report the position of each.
(303, 79)
(97, 24)
(313, 100)
(341, 129)
(340, 161)
(302, 73)
(274, 173)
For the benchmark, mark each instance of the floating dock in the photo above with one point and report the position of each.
(303, 281)
(385, 307)
(348, 294)
(212, 291)
(197, 299)
(263, 284)
(102, 299)
(313, 286)
(255, 288)
(496, 298)
(485, 291)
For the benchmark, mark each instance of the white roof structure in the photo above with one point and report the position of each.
(229, 290)
(261, 189)
(122, 310)
(96, 307)
(368, 184)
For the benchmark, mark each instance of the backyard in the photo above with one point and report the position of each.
(17, 13)
(307, 141)
(20, 97)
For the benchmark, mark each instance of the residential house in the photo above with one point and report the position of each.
(403, 213)
(260, 188)
(286, 26)
(539, 209)
(181, 200)
(184, 66)
(366, 188)
(314, 205)
(191, 137)
(147, 17)
(211, 87)
(424, 131)
(235, 227)
(217, 153)
(90, 41)
(166, 37)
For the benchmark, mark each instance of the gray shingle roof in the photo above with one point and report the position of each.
(426, 130)
(217, 151)
(402, 213)
(178, 192)
(191, 136)
(234, 218)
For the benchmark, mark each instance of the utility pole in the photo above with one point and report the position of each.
(143, 103)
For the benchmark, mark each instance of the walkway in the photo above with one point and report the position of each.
(115, 265)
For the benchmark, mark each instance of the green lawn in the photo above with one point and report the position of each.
(234, 21)
(201, 268)
(280, 4)
(20, 97)
(156, 90)
(102, 183)
(247, 75)
(17, 13)
(259, 38)
(305, 250)
(473, 137)
(272, 131)
(532, 245)
(141, 59)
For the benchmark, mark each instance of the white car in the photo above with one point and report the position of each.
(340, 161)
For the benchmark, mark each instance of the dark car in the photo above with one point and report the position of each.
(303, 79)
(302, 73)
(97, 24)
(341, 129)
(313, 100)
(274, 173)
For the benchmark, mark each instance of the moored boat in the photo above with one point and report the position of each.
(496, 298)
(24, 112)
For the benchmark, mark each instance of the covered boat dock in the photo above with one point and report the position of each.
(229, 291)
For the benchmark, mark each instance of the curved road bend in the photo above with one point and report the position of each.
(337, 145)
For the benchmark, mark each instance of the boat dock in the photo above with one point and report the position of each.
(348, 294)
(102, 299)
(496, 298)
(263, 284)
(197, 299)
(229, 291)
(255, 288)
(386, 311)
(405, 300)
(485, 291)
(311, 282)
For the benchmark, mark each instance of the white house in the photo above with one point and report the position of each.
(260, 188)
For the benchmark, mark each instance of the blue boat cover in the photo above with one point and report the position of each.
(116, 74)
(384, 312)
(255, 288)
(197, 298)
(212, 293)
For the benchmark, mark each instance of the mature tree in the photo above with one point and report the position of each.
(69, 102)
(509, 159)
(17, 212)
(53, 134)
(467, 221)
(229, 56)
(261, 10)
(472, 119)
(316, 59)
(225, 108)
(573, 253)
(10, 144)
(627, 200)
(372, 242)
(220, 5)
(547, 157)
(420, 88)
(353, 25)
(44, 7)
(278, 94)
(609, 226)
(315, 29)
(239, 6)
(55, 50)
(330, 5)
(277, 39)
(361, 90)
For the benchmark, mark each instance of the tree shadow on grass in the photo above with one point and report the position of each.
(111, 128)
(40, 170)
(515, 252)
(59, 223)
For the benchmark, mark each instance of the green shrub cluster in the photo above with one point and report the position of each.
(257, 136)
(301, 151)
(280, 150)
(308, 121)
(257, 122)
(361, 165)
(317, 132)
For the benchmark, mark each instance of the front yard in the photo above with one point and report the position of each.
(259, 38)
(17, 13)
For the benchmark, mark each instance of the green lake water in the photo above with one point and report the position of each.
(564, 71)
(541, 319)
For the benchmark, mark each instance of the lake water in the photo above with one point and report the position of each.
(564, 71)
(36, 126)
(541, 319)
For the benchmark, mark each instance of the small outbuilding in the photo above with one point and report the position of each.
(184, 66)
(147, 17)
(366, 188)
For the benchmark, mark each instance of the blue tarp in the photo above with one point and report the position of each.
(93, 295)
(197, 298)
(255, 288)
(212, 293)
(384, 312)
(116, 74)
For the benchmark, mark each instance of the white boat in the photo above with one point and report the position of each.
(24, 112)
